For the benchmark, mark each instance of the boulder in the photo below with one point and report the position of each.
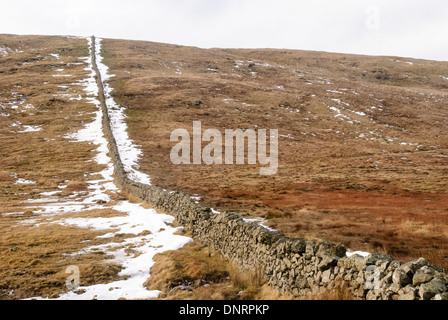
(401, 278)
(423, 275)
(327, 262)
(408, 296)
(420, 263)
(298, 246)
(373, 258)
(429, 290)
(310, 249)
(326, 276)
(355, 262)
(326, 248)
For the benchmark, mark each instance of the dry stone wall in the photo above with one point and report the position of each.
(290, 265)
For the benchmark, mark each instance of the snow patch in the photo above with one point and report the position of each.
(152, 232)
(23, 181)
(359, 253)
(129, 152)
(30, 129)
(259, 221)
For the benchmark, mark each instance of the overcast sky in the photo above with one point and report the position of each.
(408, 28)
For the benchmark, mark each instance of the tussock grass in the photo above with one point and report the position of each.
(194, 272)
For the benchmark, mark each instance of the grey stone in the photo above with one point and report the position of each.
(295, 292)
(408, 295)
(372, 295)
(326, 248)
(395, 287)
(298, 246)
(423, 275)
(310, 249)
(318, 276)
(421, 262)
(292, 273)
(355, 262)
(287, 262)
(360, 279)
(302, 283)
(327, 262)
(373, 258)
(326, 276)
(427, 291)
(401, 278)
(439, 284)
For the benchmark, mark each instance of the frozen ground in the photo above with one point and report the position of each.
(149, 232)
(129, 152)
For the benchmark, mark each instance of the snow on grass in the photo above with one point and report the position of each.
(12, 214)
(407, 62)
(259, 221)
(55, 55)
(289, 136)
(152, 232)
(30, 129)
(359, 253)
(49, 193)
(335, 91)
(129, 152)
(136, 268)
(23, 181)
(359, 113)
(228, 100)
(4, 51)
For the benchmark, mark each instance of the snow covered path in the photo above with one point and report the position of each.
(149, 232)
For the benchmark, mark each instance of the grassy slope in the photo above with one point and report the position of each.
(377, 183)
(35, 249)
(34, 257)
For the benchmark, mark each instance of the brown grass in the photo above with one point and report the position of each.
(6, 176)
(194, 272)
(34, 252)
(34, 260)
(371, 195)
(333, 185)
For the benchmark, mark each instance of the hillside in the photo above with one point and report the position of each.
(362, 140)
(362, 160)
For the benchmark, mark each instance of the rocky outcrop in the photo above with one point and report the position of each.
(297, 266)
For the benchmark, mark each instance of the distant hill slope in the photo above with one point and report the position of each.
(363, 146)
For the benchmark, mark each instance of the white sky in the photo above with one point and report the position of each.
(408, 28)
